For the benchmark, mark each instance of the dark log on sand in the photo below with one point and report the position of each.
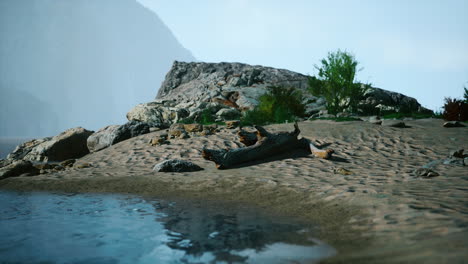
(266, 145)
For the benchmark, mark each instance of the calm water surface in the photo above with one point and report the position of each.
(94, 228)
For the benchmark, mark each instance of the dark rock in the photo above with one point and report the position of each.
(174, 165)
(394, 123)
(453, 124)
(425, 173)
(129, 130)
(18, 168)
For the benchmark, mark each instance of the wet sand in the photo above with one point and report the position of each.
(381, 213)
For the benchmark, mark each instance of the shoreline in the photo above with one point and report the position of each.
(381, 213)
(327, 221)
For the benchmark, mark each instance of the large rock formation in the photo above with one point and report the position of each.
(197, 88)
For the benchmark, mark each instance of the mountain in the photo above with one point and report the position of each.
(87, 61)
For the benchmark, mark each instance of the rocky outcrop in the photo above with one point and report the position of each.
(70, 144)
(378, 100)
(225, 90)
(111, 135)
(238, 84)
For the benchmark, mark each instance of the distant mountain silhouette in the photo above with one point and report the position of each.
(88, 61)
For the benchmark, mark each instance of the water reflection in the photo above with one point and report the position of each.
(90, 228)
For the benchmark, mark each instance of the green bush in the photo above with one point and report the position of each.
(455, 110)
(278, 105)
(336, 82)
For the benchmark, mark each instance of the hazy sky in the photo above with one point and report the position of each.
(417, 47)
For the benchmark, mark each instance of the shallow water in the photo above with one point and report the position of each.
(95, 228)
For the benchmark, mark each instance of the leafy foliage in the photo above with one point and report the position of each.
(336, 82)
(278, 105)
(465, 95)
(455, 109)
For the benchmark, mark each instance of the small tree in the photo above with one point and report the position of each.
(465, 95)
(336, 83)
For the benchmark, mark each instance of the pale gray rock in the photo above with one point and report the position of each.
(157, 114)
(70, 144)
(102, 139)
(174, 165)
(18, 168)
(23, 149)
(187, 81)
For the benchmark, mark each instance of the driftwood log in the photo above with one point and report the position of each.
(262, 144)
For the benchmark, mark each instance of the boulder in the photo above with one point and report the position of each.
(114, 134)
(129, 130)
(175, 165)
(70, 144)
(18, 168)
(209, 130)
(103, 138)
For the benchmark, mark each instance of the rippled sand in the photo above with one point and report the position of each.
(380, 213)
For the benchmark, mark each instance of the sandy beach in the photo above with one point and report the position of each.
(381, 213)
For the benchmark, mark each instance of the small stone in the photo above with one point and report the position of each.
(394, 123)
(192, 128)
(375, 120)
(159, 140)
(175, 165)
(453, 124)
(342, 171)
(82, 165)
(425, 173)
(184, 135)
(232, 124)
(68, 163)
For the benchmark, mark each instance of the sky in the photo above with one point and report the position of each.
(418, 48)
